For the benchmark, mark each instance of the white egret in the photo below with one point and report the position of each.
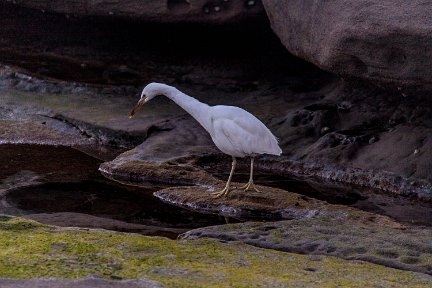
(234, 131)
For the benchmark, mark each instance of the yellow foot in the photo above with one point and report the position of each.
(223, 192)
(250, 186)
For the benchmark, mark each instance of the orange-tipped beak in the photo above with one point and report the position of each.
(137, 107)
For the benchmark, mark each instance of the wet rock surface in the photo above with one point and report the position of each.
(270, 204)
(200, 199)
(300, 200)
(208, 173)
(70, 219)
(383, 42)
(61, 186)
(350, 236)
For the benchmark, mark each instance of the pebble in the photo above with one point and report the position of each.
(344, 105)
(325, 130)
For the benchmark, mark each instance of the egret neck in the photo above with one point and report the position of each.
(198, 110)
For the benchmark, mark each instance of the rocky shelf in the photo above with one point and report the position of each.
(156, 261)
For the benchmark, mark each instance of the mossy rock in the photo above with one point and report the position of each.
(34, 132)
(32, 250)
(354, 237)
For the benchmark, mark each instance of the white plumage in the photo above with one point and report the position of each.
(238, 133)
(234, 131)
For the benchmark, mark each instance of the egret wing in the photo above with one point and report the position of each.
(248, 135)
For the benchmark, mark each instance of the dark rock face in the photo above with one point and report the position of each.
(361, 126)
(385, 42)
(173, 11)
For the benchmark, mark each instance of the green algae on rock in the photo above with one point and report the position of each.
(356, 236)
(32, 250)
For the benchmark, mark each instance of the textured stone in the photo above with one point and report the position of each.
(215, 11)
(382, 41)
(270, 203)
(37, 132)
(356, 236)
(92, 282)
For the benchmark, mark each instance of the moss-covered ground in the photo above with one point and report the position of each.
(29, 250)
(374, 239)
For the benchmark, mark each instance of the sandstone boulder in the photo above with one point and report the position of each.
(205, 11)
(386, 42)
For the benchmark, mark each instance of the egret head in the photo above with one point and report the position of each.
(149, 92)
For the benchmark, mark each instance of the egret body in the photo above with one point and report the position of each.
(233, 130)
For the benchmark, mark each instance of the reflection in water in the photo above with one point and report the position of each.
(110, 200)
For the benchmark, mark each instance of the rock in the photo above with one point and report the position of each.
(344, 153)
(180, 171)
(385, 42)
(174, 11)
(269, 204)
(93, 282)
(393, 121)
(34, 163)
(37, 132)
(377, 192)
(172, 138)
(69, 219)
(78, 253)
(356, 236)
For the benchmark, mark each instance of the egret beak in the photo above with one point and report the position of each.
(138, 106)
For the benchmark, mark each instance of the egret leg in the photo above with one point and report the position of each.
(227, 189)
(250, 185)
